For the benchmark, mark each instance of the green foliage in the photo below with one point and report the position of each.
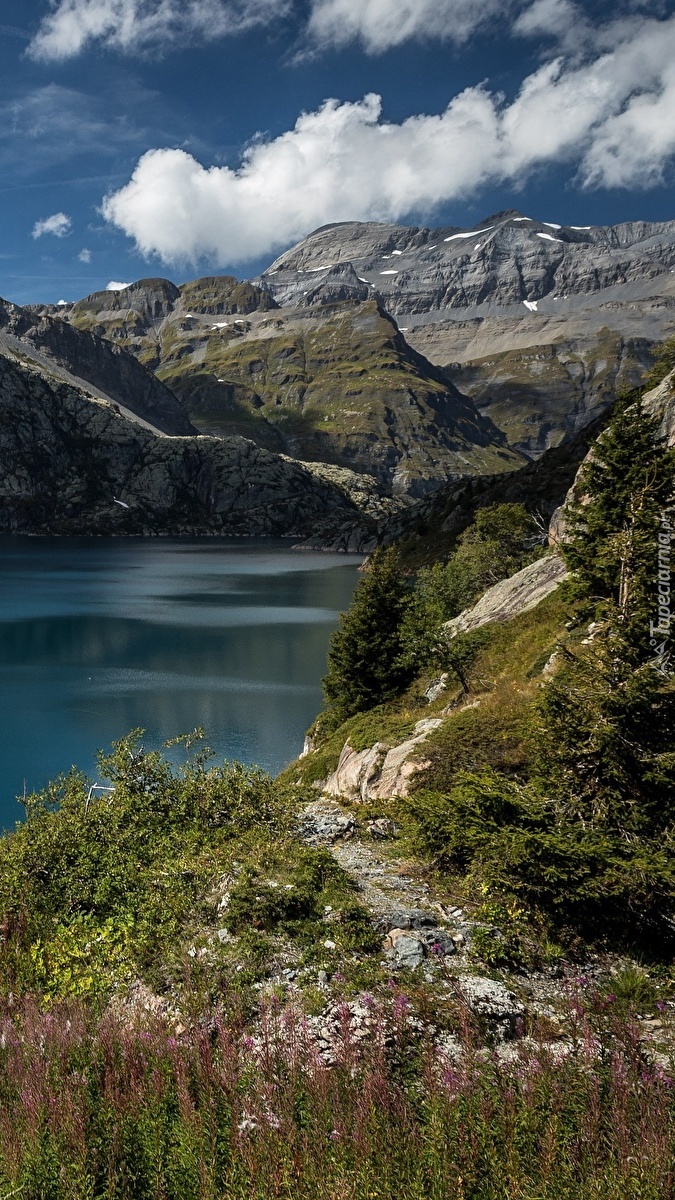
(92, 1109)
(502, 539)
(665, 363)
(633, 989)
(587, 835)
(604, 751)
(306, 883)
(97, 886)
(622, 493)
(364, 662)
(82, 958)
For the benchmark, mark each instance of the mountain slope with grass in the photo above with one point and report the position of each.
(331, 381)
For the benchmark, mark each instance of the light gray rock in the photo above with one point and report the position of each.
(492, 1002)
(380, 771)
(323, 822)
(407, 950)
(513, 596)
(437, 688)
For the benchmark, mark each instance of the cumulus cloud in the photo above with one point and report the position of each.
(59, 224)
(610, 117)
(381, 24)
(85, 256)
(114, 286)
(142, 25)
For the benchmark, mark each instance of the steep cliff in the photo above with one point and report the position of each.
(82, 358)
(72, 462)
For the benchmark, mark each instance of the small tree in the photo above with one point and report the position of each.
(502, 539)
(365, 667)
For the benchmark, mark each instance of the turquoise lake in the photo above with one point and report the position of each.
(101, 635)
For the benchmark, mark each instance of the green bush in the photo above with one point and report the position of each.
(502, 539)
(96, 888)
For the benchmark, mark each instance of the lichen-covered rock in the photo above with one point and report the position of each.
(492, 1002)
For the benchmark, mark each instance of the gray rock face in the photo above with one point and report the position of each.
(507, 599)
(71, 462)
(507, 260)
(660, 403)
(81, 358)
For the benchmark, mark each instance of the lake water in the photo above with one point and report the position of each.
(100, 635)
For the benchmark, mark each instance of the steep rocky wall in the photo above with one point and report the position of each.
(73, 463)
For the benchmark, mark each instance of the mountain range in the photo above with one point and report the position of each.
(370, 367)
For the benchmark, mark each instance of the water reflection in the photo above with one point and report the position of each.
(100, 635)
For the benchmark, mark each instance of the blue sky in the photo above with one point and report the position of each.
(181, 137)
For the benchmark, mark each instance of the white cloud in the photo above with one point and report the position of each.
(85, 256)
(381, 24)
(140, 25)
(610, 117)
(114, 286)
(59, 224)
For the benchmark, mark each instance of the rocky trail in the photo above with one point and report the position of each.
(432, 938)
(420, 932)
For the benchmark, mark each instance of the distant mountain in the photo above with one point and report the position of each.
(540, 324)
(511, 263)
(332, 381)
(418, 356)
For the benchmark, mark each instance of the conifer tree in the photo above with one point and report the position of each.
(622, 494)
(607, 735)
(364, 661)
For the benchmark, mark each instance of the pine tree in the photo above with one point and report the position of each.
(623, 493)
(364, 661)
(606, 740)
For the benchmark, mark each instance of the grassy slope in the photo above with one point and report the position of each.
(341, 386)
(487, 727)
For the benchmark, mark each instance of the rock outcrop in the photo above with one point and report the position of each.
(508, 260)
(82, 358)
(513, 596)
(380, 771)
(415, 355)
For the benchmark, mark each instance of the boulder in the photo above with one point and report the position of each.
(380, 771)
(493, 1003)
